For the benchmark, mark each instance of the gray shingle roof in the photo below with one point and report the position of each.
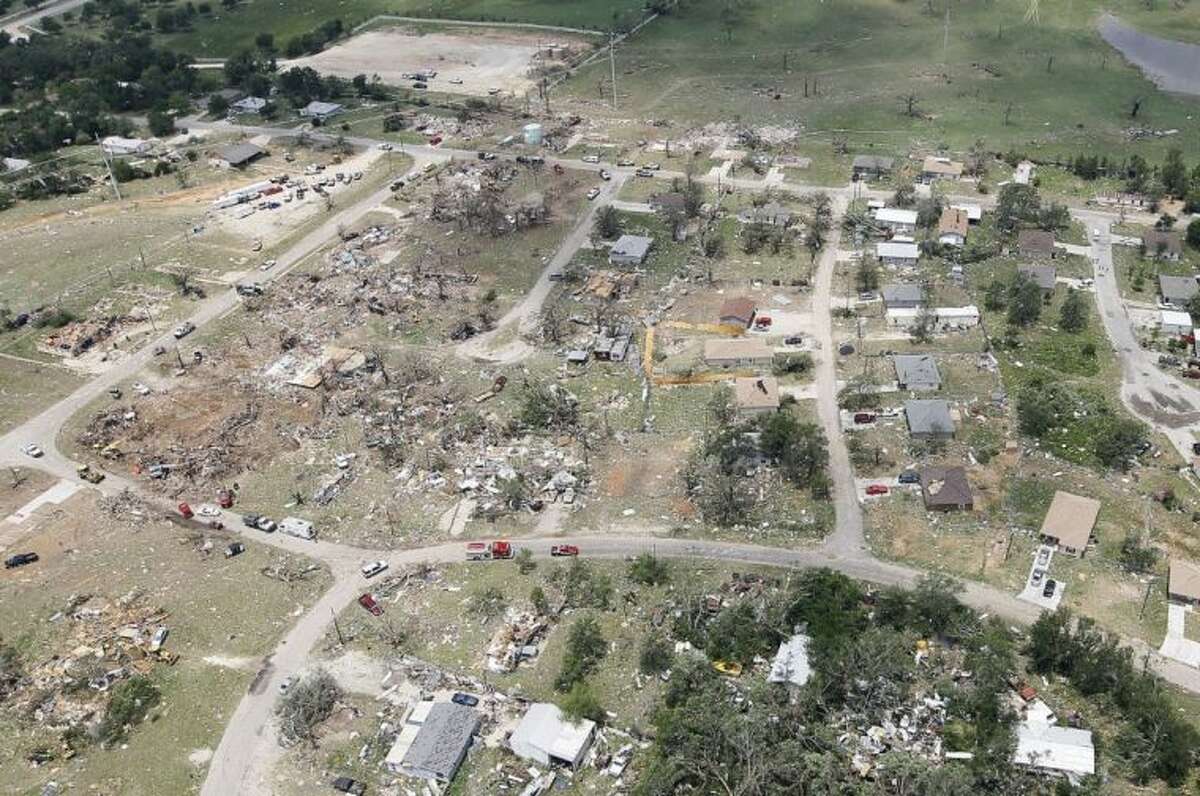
(902, 292)
(1177, 288)
(440, 746)
(917, 370)
(1044, 275)
(928, 417)
(237, 154)
(635, 246)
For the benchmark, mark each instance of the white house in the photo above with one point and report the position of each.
(117, 145)
(1055, 750)
(546, 737)
(320, 110)
(894, 253)
(1175, 322)
(943, 319)
(896, 219)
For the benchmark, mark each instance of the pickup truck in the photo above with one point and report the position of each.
(488, 551)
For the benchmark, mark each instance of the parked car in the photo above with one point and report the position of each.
(1048, 591)
(1043, 556)
(864, 417)
(604, 175)
(234, 549)
(644, 173)
(368, 601)
(625, 163)
(437, 139)
(184, 329)
(347, 785)
(185, 511)
(420, 84)
(208, 510)
(593, 193)
(114, 393)
(909, 477)
(877, 489)
(20, 560)
(728, 668)
(373, 568)
(33, 450)
(267, 266)
(795, 339)
(88, 474)
(267, 524)
(590, 158)
(487, 155)
(251, 520)
(564, 550)
(465, 699)
(1036, 576)
(386, 147)
(140, 389)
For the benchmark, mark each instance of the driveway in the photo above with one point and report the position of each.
(1175, 645)
(1032, 593)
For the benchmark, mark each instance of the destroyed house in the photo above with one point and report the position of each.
(1055, 750)
(946, 489)
(1044, 276)
(441, 743)
(1164, 245)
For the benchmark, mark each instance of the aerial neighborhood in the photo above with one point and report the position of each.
(581, 398)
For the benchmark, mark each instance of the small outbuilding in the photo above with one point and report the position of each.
(546, 737)
(630, 250)
(1069, 522)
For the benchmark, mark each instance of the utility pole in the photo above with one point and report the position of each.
(612, 66)
(1146, 598)
(108, 164)
(337, 628)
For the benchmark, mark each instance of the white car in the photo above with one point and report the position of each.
(457, 81)
(386, 147)
(208, 510)
(593, 193)
(32, 450)
(1095, 234)
(590, 158)
(140, 389)
(267, 266)
(184, 329)
(604, 175)
(373, 568)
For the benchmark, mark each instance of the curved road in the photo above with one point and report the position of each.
(249, 740)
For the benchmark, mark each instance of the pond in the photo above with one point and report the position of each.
(1172, 65)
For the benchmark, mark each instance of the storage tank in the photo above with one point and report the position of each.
(533, 134)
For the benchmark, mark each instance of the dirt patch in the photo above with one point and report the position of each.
(480, 60)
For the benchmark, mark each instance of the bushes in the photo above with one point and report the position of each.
(307, 704)
(129, 704)
(586, 647)
(649, 570)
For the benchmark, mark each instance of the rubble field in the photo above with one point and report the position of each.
(119, 593)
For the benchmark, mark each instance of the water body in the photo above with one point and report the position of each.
(1171, 65)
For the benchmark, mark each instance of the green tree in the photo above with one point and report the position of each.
(1025, 301)
(129, 704)
(1117, 440)
(1193, 233)
(1174, 174)
(1017, 203)
(656, 656)
(995, 297)
(217, 105)
(1074, 314)
(608, 223)
(537, 598)
(800, 448)
(581, 702)
(586, 647)
(649, 570)
(160, 124)
(866, 278)
(524, 559)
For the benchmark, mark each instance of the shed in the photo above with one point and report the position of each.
(238, 155)
(902, 295)
(897, 253)
(791, 662)
(1183, 581)
(630, 250)
(896, 219)
(441, 743)
(1035, 243)
(738, 311)
(1165, 245)
(929, 419)
(1176, 291)
(1069, 522)
(117, 145)
(742, 351)
(1044, 275)
(546, 737)
(758, 395)
(1175, 322)
(917, 372)
(1053, 749)
(871, 166)
(320, 110)
(946, 489)
(952, 227)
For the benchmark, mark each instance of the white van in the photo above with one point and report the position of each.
(294, 526)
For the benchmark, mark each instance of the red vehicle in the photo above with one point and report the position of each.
(762, 322)
(487, 551)
(368, 602)
(437, 139)
(225, 499)
(185, 511)
(877, 489)
(564, 550)
(864, 417)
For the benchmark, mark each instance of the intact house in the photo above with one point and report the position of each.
(870, 167)
(1175, 323)
(946, 489)
(320, 110)
(935, 168)
(546, 737)
(756, 395)
(917, 372)
(1069, 522)
(897, 220)
(901, 253)
(952, 227)
(902, 295)
(1163, 245)
(434, 741)
(249, 105)
(773, 215)
(236, 156)
(1045, 276)
(630, 250)
(1036, 243)
(738, 311)
(739, 352)
(1177, 291)
(929, 419)
(1183, 582)
(942, 319)
(670, 203)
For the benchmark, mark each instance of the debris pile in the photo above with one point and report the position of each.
(515, 640)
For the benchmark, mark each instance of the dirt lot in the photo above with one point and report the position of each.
(482, 61)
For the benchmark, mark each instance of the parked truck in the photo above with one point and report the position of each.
(293, 526)
(487, 551)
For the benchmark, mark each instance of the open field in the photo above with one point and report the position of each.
(222, 613)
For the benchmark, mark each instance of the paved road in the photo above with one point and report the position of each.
(15, 24)
(240, 760)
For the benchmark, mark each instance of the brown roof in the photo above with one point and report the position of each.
(1070, 519)
(945, 486)
(740, 308)
(1184, 579)
(953, 220)
(760, 392)
(752, 348)
(1035, 241)
(935, 165)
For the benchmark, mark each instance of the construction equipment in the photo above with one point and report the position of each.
(88, 474)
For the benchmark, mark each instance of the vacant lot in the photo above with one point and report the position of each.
(481, 61)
